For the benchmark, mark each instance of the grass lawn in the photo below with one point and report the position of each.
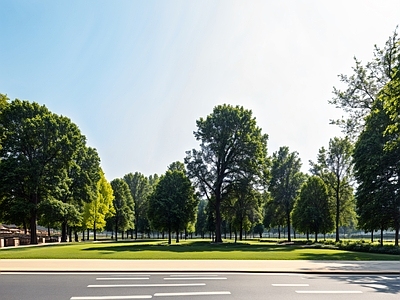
(190, 249)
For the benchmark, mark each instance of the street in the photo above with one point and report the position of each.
(199, 285)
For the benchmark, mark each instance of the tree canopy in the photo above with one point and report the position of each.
(285, 183)
(312, 211)
(232, 147)
(173, 204)
(37, 148)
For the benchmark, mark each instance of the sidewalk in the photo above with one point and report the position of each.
(284, 266)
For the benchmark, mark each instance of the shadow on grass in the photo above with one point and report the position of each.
(193, 246)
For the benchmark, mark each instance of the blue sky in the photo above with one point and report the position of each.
(136, 75)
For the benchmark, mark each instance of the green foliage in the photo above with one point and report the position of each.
(242, 206)
(363, 246)
(173, 204)
(377, 170)
(334, 166)
(140, 189)
(124, 215)
(37, 150)
(101, 207)
(312, 212)
(364, 85)
(286, 180)
(232, 148)
(201, 220)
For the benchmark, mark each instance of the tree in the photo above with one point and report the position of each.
(177, 166)
(364, 85)
(37, 148)
(334, 166)
(101, 207)
(243, 205)
(123, 205)
(83, 175)
(173, 204)
(286, 180)
(140, 190)
(232, 147)
(3, 101)
(312, 210)
(376, 164)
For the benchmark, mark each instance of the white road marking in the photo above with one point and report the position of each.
(191, 294)
(112, 297)
(63, 273)
(329, 292)
(144, 285)
(193, 275)
(123, 278)
(290, 284)
(195, 278)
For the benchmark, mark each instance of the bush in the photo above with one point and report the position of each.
(364, 246)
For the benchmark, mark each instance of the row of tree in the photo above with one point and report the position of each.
(47, 171)
(49, 175)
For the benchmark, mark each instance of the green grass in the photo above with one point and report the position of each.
(191, 249)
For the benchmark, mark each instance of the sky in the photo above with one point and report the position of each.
(136, 75)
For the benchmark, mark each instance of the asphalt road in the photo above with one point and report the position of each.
(199, 286)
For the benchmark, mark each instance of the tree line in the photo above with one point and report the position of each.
(229, 184)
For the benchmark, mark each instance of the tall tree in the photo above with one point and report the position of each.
(173, 203)
(286, 180)
(101, 207)
(312, 211)
(363, 86)
(140, 191)
(37, 148)
(123, 206)
(377, 170)
(334, 166)
(232, 147)
(83, 175)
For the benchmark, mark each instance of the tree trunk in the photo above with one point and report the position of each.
(83, 235)
(116, 229)
(337, 210)
(88, 234)
(177, 236)
(372, 236)
(33, 226)
(94, 231)
(76, 236)
(241, 230)
(169, 236)
(64, 228)
(288, 225)
(308, 235)
(218, 236)
(48, 230)
(279, 231)
(381, 236)
(396, 236)
(70, 234)
(316, 237)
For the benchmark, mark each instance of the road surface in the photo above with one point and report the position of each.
(195, 285)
